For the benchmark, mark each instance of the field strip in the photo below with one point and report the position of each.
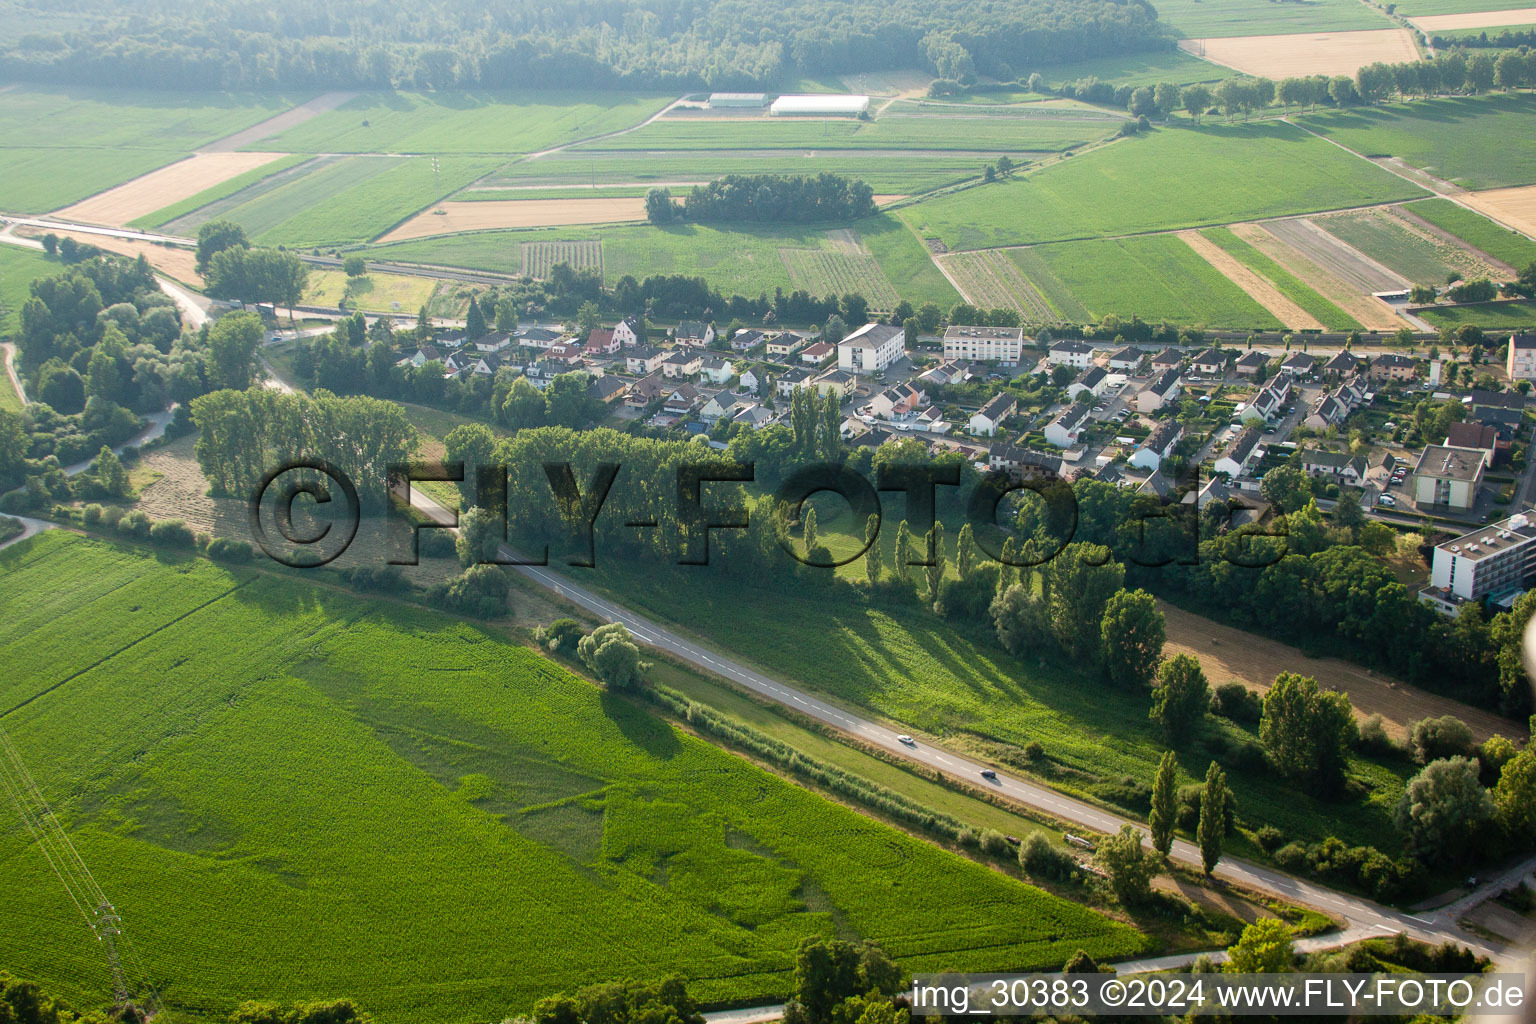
(1476, 19)
(158, 189)
(1371, 312)
(1331, 251)
(1306, 53)
(989, 279)
(279, 123)
(492, 214)
(1228, 653)
(1513, 207)
(174, 262)
(1260, 289)
(1434, 231)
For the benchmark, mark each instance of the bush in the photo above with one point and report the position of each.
(1291, 857)
(1041, 858)
(173, 533)
(994, 844)
(1189, 807)
(480, 591)
(1269, 839)
(562, 635)
(1033, 750)
(135, 524)
(225, 549)
(436, 544)
(612, 655)
(384, 579)
(91, 514)
(1431, 739)
(1129, 793)
(1235, 702)
(1373, 738)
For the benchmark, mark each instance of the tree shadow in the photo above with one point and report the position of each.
(641, 728)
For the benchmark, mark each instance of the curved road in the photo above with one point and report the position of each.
(1362, 917)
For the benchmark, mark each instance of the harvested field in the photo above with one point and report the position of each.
(1477, 19)
(989, 279)
(539, 257)
(1260, 289)
(1513, 207)
(159, 189)
(1227, 653)
(528, 213)
(180, 264)
(1349, 264)
(1372, 313)
(1309, 53)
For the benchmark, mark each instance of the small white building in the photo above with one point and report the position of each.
(1076, 354)
(1064, 430)
(1158, 445)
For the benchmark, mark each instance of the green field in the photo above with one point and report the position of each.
(479, 195)
(1389, 242)
(1138, 69)
(465, 122)
(1499, 242)
(1475, 141)
(1422, 8)
(1155, 277)
(299, 794)
(18, 269)
(1195, 19)
(1292, 287)
(974, 132)
(886, 173)
(37, 180)
(1174, 178)
(374, 291)
(1501, 316)
(742, 261)
(225, 189)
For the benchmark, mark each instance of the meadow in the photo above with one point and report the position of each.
(1474, 141)
(1155, 277)
(1496, 316)
(1196, 19)
(1015, 133)
(451, 121)
(1290, 286)
(294, 793)
(1242, 171)
(223, 190)
(18, 269)
(1499, 242)
(389, 293)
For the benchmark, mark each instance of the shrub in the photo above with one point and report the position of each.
(436, 544)
(1041, 858)
(612, 655)
(91, 514)
(1269, 838)
(1431, 739)
(994, 844)
(173, 533)
(1237, 703)
(1129, 792)
(480, 591)
(225, 549)
(134, 524)
(560, 635)
(1033, 750)
(1373, 738)
(1291, 857)
(112, 515)
(384, 579)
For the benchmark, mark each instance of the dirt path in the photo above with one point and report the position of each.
(1371, 312)
(1227, 653)
(279, 123)
(8, 355)
(1260, 289)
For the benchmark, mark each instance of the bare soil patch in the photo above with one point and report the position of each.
(1514, 207)
(1307, 53)
(1259, 288)
(512, 213)
(1227, 653)
(174, 262)
(1476, 19)
(159, 189)
(1370, 311)
(280, 123)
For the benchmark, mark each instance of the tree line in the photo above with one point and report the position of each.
(771, 198)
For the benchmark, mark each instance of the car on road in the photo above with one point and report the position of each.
(908, 740)
(989, 774)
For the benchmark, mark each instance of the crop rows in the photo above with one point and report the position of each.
(825, 272)
(991, 280)
(1499, 242)
(541, 257)
(1293, 288)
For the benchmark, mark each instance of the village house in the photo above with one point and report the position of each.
(1299, 363)
(746, 340)
(1240, 453)
(753, 415)
(648, 389)
(717, 369)
(681, 401)
(783, 345)
(1022, 462)
(1064, 430)
(795, 377)
(815, 355)
(682, 363)
(750, 381)
(496, 341)
(1158, 445)
(1090, 382)
(1335, 467)
(1210, 363)
(1393, 366)
(628, 331)
(1270, 402)
(989, 418)
(1159, 391)
(693, 334)
(642, 359)
(1167, 359)
(539, 338)
(607, 388)
(834, 380)
(900, 402)
(1126, 359)
(1076, 354)
(1250, 364)
(1342, 364)
(601, 342)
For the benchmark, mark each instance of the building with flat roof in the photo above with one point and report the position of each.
(1494, 563)
(1448, 476)
(728, 100)
(993, 344)
(828, 105)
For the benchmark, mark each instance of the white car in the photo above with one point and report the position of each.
(1386, 499)
(908, 740)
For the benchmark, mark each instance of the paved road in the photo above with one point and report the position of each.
(1361, 916)
(29, 528)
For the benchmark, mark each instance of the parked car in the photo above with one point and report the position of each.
(1386, 499)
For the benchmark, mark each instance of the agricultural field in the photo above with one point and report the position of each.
(1483, 12)
(1136, 69)
(1396, 245)
(1476, 142)
(1018, 132)
(36, 180)
(385, 293)
(305, 777)
(1208, 18)
(841, 271)
(1287, 56)
(502, 193)
(1155, 277)
(1142, 184)
(1495, 316)
(118, 206)
(450, 218)
(18, 269)
(1513, 206)
(539, 258)
(451, 122)
(195, 203)
(1472, 33)
(989, 279)
(1294, 289)
(1476, 230)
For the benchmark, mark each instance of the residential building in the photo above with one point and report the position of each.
(648, 389)
(681, 401)
(1240, 453)
(1022, 462)
(717, 406)
(1299, 363)
(1212, 490)
(1161, 390)
(567, 352)
(990, 344)
(751, 379)
(601, 342)
(717, 369)
(795, 377)
(1448, 477)
(1393, 366)
(423, 355)
(1158, 445)
(814, 355)
(643, 360)
(682, 363)
(840, 381)
(753, 415)
(1167, 359)
(1473, 435)
(1483, 401)
(1091, 382)
(628, 331)
(1250, 364)
(783, 345)
(871, 348)
(1076, 354)
(1494, 563)
(1210, 363)
(1336, 467)
(1064, 430)
(1127, 359)
(607, 388)
(746, 340)
(1269, 403)
(1342, 364)
(900, 402)
(496, 341)
(694, 334)
(1520, 363)
(537, 337)
(990, 417)
(945, 373)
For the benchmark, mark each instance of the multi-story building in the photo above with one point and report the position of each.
(1077, 354)
(1493, 563)
(1448, 477)
(871, 348)
(1002, 345)
(1521, 361)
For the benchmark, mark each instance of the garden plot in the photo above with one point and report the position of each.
(159, 189)
(1309, 53)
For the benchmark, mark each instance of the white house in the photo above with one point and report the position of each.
(871, 348)
(1128, 358)
(1336, 467)
(990, 417)
(1091, 382)
(992, 344)
(789, 380)
(1158, 445)
(627, 331)
(1064, 430)
(1159, 392)
(644, 360)
(682, 363)
(717, 369)
(1449, 477)
(1520, 363)
(1240, 452)
(1076, 354)
(750, 381)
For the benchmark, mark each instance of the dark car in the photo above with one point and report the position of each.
(988, 773)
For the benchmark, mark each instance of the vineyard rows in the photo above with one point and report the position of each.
(990, 280)
(825, 272)
(539, 258)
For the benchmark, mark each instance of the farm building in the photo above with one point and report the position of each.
(824, 106)
(737, 100)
